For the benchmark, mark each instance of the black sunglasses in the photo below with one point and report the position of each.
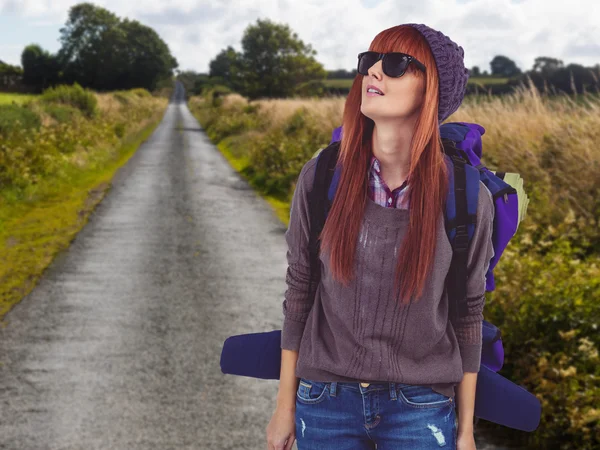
(394, 63)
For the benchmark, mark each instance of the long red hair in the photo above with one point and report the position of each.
(427, 178)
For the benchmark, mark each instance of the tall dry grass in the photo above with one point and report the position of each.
(552, 139)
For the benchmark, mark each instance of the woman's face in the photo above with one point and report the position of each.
(402, 97)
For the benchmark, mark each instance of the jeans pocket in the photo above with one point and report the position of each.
(422, 397)
(311, 392)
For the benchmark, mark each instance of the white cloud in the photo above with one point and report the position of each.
(196, 30)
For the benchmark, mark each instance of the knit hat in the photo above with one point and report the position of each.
(451, 69)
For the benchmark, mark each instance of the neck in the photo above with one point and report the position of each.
(391, 144)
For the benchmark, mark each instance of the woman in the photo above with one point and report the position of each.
(371, 359)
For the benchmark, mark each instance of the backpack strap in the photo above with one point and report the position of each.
(461, 217)
(456, 280)
(319, 205)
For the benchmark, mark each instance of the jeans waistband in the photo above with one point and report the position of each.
(357, 387)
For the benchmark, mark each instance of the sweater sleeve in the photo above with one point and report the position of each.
(481, 250)
(298, 302)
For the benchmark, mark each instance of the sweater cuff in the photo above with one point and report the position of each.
(471, 357)
(291, 334)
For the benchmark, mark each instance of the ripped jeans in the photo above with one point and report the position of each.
(382, 416)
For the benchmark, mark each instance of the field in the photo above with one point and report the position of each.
(7, 98)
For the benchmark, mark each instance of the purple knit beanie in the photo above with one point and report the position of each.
(452, 72)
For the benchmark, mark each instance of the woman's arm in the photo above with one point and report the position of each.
(288, 382)
(468, 329)
(465, 393)
(298, 300)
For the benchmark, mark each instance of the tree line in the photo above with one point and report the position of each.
(104, 52)
(99, 51)
(274, 62)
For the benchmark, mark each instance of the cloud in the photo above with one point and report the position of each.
(196, 30)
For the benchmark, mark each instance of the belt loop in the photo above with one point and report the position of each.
(332, 388)
(393, 391)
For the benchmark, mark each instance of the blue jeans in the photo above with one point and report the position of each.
(382, 416)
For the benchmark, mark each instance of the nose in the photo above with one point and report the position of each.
(376, 70)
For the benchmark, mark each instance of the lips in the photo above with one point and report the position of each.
(370, 86)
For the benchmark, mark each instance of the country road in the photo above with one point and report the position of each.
(118, 346)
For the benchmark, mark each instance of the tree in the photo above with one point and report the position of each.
(146, 56)
(341, 74)
(40, 68)
(227, 69)
(274, 62)
(475, 71)
(546, 66)
(101, 51)
(10, 75)
(504, 67)
(83, 38)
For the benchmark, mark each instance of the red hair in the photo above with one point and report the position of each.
(427, 177)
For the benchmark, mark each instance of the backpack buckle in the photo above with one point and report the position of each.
(461, 240)
(456, 157)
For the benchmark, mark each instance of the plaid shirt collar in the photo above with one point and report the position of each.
(379, 191)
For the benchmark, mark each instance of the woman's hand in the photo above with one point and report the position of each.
(465, 441)
(281, 431)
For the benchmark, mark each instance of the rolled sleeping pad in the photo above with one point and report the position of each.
(492, 352)
(497, 399)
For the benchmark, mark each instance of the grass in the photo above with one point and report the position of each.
(34, 230)
(8, 98)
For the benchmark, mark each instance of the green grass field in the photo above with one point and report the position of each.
(8, 98)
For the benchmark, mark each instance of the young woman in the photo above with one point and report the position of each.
(371, 359)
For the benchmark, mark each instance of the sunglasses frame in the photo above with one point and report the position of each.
(382, 56)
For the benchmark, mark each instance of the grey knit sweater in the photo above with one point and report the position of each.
(360, 332)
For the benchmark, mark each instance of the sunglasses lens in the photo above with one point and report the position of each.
(365, 62)
(395, 64)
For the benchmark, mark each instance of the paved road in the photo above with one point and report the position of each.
(118, 346)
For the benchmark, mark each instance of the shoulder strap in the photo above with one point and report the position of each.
(456, 281)
(319, 205)
(461, 217)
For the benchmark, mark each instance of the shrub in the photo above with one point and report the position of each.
(61, 113)
(120, 129)
(140, 92)
(75, 95)
(13, 117)
(122, 97)
(547, 303)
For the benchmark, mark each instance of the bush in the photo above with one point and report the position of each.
(75, 95)
(140, 92)
(120, 129)
(547, 303)
(233, 120)
(277, 157)
(13, 117)
(61, 113)
(122, 97)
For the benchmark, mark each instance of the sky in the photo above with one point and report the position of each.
(197, 30)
